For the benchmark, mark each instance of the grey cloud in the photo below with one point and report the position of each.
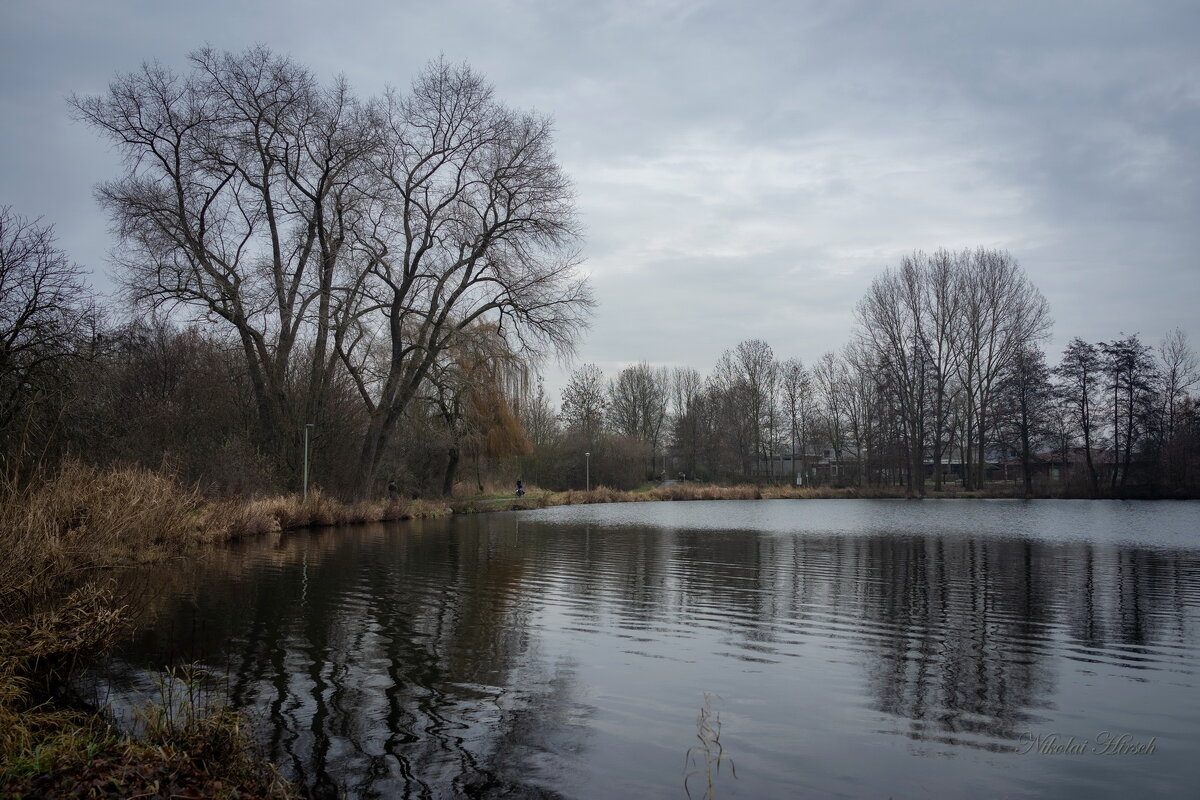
(743, 169)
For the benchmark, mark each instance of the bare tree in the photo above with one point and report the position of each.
(892, 330)
(538, 419)
(755, 372)
(1178, 375)
(744, 382)
(542, 429)
(637, 404)
(858, 392)
(1000, 312)
(829, 374)
(732, 429)
(1080, 375)
(240, 188)
(686, 390)
(1130, 379)
(796, 390)
(1024, 406)
(373, 233)
(940, 308)
(584, 402)
(44, 307)
(471, 220)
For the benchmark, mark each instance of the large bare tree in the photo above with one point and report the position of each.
(796, 393)
(336, 237)
(471, 221)
(945, 329)
(940, 308)
(240, 188)
(1000, 312)
(892, 330)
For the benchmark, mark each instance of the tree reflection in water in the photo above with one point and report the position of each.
(441, 658)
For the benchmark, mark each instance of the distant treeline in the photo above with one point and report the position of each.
(943, 384)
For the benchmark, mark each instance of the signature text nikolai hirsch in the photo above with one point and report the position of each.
(1105, 744)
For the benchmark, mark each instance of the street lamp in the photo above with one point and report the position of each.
(587, 463)
(307, 425)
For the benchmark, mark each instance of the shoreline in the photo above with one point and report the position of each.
(536, 499)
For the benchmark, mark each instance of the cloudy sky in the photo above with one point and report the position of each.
(743, 169)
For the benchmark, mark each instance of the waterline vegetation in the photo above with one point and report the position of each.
(67, 537)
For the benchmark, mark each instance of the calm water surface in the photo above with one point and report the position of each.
(875, 648)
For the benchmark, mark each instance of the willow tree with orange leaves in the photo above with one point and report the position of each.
(476, 390)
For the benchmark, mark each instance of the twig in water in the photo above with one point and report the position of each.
(708, 731)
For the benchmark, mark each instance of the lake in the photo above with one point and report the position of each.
(848, 648)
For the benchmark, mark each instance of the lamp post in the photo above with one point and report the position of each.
(587, 465)
(307, 425)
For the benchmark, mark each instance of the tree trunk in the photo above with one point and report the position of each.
(451, 468)
(1026, 465)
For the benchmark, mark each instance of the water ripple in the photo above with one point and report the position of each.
(567, 652)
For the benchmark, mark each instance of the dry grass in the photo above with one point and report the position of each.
(686, 491)
(64, 530)
(59, 533)
(235, 519)
(63, 537)
(50, 751)
(537, 498)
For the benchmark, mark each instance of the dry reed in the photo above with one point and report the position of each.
(63, 536)
(686, 491)
(60, 532)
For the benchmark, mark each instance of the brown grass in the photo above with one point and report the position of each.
(236, 519)
(59, 533)
(686, 491)
(71, 526)
(538, 498)
(62, 538)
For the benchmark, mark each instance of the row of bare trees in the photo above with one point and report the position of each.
(940, 332)
(943, 381)
(157, 394)
(389, 271)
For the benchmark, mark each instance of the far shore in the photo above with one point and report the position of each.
(535, 499)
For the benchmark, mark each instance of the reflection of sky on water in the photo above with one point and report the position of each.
(903, 649)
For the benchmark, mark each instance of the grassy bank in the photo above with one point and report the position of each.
(79, 524)
(51, 748)
(66, 538)
(536, 498)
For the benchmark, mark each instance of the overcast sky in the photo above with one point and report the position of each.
(743, 169)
